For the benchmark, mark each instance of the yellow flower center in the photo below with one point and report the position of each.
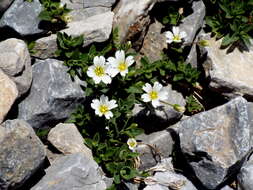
(103, 109)
(153, 95)
(176, 38)
(122, 66)
(99, 71)
(132, 144)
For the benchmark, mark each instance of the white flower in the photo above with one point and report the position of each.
(119, 63)
(175, 35)
(131, 142)
(154, 94)
(99, 71)
(103, 106)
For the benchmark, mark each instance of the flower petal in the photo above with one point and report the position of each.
(96, 79)
(106, 79)
(155, 103)
(175, 30)
(129, 60)
(103, 99)
(123, 73)
(112, 104)
(163, 95)
(157, 86)
(108, 115)
(95, 104)
(120, 55)
(147, 88)
(112, 61)
(169, 35)
(182, 34)
(145, 98)
(90, 71)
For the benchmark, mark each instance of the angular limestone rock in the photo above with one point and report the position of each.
(217, 141)
(8, 94)
(15, 61)
(53, 95)
(67, 139)
(21, 153)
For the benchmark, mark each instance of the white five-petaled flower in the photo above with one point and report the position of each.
(154, 94)
(99, 71)
(120, 63)
(103, 106)
(131, 142)
(175, 35)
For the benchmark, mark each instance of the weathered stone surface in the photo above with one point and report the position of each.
(73, 171)
(192, 23)
(164, 114)
(22, 16)
(230, 74)
(131, 17)
(84, 4)
(94, 29)
(21, 153)
(52, 156)
(67, 139)
(245, 177)
(166, 178)
(217, 141)
(15, 61)
(154, 42)
(153, 148)
(4, 4)
(8, 94)
(226, 188)
(53, 95)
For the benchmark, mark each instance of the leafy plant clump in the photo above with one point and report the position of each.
(54, 14)
(106, 120)
(231, 20)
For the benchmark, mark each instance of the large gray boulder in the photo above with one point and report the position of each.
(245, 177)
(53, 95)
(217, 141)
(22, 16)
(8, 94)
(230, 73)
(95, 28)
(15, 61)
(74, 171)
(21, 153)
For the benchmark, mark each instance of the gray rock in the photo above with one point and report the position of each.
(154, 42)
(83, 4)
(8, 94)
(153, 148)
(22, 16)
(21, 153)
(192, 23)
(4, 4)
(88, 27)
(131, 18)
(165, 178)
(217, 140)
(53, 95)
(245, 177)
(74, 171)
(15, 61)
(230, 74)
(67, 139)
(226, 188)
(164, 114)
(52, 156)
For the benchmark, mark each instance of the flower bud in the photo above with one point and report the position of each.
(179, 108)
(181, 10)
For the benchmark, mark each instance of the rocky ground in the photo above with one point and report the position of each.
(213, 148)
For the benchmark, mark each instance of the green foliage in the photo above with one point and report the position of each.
(231, 20)
(54, 13)
(173, 16)
(193, 105)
